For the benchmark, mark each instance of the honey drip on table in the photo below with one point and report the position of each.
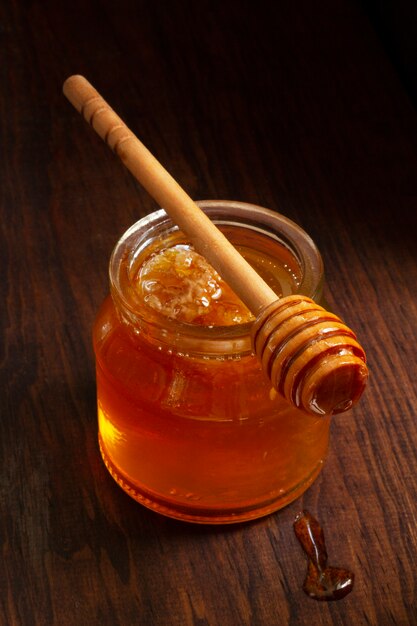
(322, 582)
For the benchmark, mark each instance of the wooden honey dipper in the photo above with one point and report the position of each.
(311, 357)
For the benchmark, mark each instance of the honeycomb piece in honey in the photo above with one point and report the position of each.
(179, 283)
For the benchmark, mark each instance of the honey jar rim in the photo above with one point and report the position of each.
(153, 226)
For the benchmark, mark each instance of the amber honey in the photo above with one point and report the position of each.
(188, 424)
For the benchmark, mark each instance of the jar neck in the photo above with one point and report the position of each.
(239, 221)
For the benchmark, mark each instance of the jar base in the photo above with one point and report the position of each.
(200, 514)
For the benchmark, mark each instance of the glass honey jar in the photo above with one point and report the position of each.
(189, 426)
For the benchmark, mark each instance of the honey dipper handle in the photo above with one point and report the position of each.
(205, 236)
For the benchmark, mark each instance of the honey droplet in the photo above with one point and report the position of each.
(322, 582)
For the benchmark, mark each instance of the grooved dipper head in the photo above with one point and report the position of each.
(311, 357)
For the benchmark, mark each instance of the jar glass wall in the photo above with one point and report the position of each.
(188, 424)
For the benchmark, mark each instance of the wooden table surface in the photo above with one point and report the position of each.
(297, 107)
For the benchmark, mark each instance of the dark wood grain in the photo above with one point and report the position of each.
(292, 107)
